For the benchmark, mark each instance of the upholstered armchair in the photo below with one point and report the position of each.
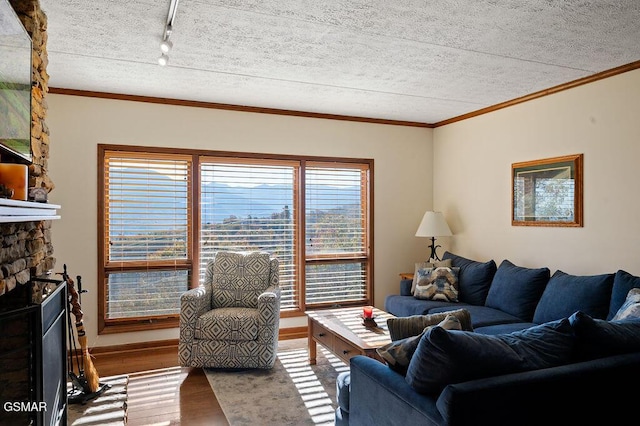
(232, 319)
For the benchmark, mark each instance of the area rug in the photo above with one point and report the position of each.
(292, 393)
(109, 409)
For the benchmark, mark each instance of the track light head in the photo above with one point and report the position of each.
(166, 45)
(163, 60)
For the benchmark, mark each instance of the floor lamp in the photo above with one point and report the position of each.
(433, 225)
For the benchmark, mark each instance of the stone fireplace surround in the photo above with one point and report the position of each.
(26, 248)
(33, 344)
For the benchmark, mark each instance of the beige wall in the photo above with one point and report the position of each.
(472, 166)
(403, 176)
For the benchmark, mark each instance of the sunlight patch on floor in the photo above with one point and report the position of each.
(153, 388)
(315, 397)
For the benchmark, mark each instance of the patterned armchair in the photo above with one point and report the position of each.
(232, 319)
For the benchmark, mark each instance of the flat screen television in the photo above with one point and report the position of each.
(15, 87)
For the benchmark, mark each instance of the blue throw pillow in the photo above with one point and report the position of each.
(622, 283)
(444, 357)
(566, 294)
(596, 338)
(516, 290)
(474, 278)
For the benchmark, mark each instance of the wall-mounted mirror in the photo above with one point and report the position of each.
(547, 192)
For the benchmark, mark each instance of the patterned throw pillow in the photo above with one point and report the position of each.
(398, 353)
(631, 306)
(426, 265)
(403, 327)
(437, 284)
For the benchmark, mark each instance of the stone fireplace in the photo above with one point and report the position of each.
(34, 324)
(26, 248)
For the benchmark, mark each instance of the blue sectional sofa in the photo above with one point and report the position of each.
(541, 346)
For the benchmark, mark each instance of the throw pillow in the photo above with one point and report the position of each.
(439, 283)
(398, 354)
(596, 338)
(622, 283)
(516, 289)
(474, 278)
(403, 327)
(566, 294)
(631, 307)
(426, 265)
(443, 357)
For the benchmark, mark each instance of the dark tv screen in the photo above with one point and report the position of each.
(15, 87)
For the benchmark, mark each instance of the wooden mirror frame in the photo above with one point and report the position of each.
(563, 180)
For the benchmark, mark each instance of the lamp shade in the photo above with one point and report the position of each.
(433, 225)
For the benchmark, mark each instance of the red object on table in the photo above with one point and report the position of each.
(367, 312)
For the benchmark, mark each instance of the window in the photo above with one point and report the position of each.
(336, 223)
(146, 248)
(249, 205)
(165, 214)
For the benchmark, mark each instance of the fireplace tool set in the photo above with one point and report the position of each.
(85, 384)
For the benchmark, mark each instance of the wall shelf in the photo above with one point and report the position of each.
(26, 211)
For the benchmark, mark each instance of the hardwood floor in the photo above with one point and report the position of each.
(160, 392)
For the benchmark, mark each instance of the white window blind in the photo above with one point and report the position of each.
(336, 215)
(250, 205)
(147, 233)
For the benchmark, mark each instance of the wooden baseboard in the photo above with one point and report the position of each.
(293, 333)
(172, 344)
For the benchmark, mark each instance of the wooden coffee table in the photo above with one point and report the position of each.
(342, 332)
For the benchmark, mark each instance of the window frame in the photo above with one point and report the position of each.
(105, 266)
(193, 263)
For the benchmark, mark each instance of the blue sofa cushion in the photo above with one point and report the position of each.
(566, 294)
(398, 353)
(404, 306)
(343, 390)
(444, 357)
(343, 383)
(405, 287)
(596, 338)
(516, 290)
(481, 316)
(622, 283)
(474, 278)
(504, 328)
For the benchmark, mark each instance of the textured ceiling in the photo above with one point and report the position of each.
(415, 60)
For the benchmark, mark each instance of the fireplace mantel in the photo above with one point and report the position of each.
(26, 211)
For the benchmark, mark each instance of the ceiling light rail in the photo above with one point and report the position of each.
(166, 45)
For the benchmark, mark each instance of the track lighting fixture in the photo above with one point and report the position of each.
(166, 44)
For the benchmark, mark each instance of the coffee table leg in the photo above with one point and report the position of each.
(312, 347)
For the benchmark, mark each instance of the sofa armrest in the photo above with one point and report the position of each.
(405, 287)
(532, 397)
(193, 303)
(269, 314)
(269, 297)
(380, 396)
(198, 300)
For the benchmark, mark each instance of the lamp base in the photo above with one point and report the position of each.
(433, 247)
